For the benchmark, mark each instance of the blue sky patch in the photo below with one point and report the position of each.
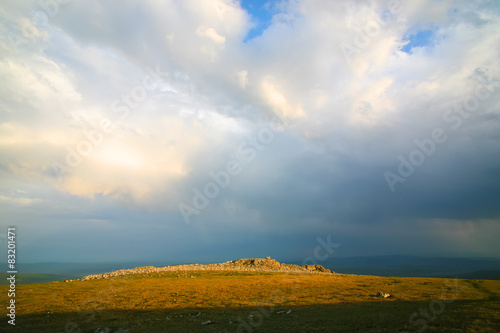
(262, 12)
(420, 39)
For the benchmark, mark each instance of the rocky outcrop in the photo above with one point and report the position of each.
(272, 264)
(255, 264)
(318, 268)
(382, 294)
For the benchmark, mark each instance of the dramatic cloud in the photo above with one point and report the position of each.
(212, 129)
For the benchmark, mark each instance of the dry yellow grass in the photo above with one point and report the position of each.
(260, 302)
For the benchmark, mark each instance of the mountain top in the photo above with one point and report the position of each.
(254, 264)
(273, 264)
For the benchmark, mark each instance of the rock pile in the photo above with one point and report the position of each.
(256, 264)
(382, 294)
(318, 268)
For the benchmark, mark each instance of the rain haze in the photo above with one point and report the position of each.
(211, 130)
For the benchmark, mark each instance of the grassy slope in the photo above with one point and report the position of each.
(182, 301)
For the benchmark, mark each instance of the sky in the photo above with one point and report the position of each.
(212, 130)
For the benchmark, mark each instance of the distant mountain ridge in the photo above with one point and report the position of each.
(410, 266)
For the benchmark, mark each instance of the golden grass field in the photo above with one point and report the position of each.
(230, 301)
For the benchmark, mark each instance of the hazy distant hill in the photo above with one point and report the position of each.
(28, 278)
(479, 275)
(409, 266)
(75, 269)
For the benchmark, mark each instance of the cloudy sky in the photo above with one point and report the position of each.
(217, 129)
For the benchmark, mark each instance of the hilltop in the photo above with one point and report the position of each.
(255, 265)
